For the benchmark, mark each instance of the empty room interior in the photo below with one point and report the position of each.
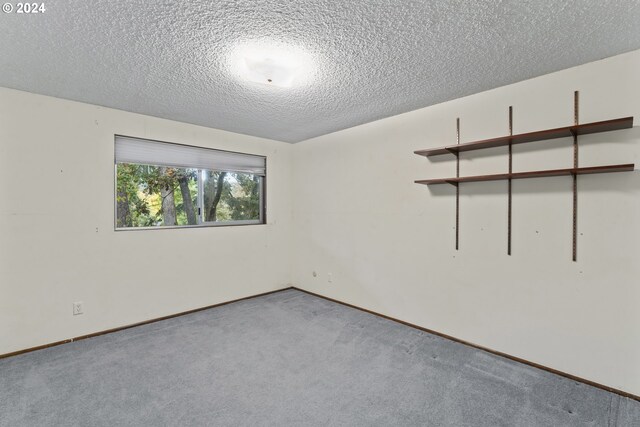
(320, 213)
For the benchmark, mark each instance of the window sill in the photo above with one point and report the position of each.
(206, 225)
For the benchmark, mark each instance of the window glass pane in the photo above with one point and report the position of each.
(149, 196)
(231, 196)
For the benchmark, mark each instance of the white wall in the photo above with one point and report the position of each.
(57, 239)
(389, 243)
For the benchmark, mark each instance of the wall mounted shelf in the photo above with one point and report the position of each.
(541, 135)
(511, 139)
(628, 167)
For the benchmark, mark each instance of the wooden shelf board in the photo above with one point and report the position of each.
(628, 167)
(542, 135)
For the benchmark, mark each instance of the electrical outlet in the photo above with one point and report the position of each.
(330, 277)
(77, 308)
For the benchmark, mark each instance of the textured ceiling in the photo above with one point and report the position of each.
(371, 58)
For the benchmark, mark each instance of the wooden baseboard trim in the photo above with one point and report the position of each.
(479, 347)
(133, 325)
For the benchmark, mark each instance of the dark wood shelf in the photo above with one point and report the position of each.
(585, 129)
(572, 132)
(628, 167)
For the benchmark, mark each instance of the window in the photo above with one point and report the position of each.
(161, 184)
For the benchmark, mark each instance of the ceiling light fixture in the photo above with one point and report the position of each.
(266, 69)
(271, 65)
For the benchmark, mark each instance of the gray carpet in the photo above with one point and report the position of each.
(290, 359)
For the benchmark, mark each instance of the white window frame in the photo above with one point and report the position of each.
(200, 199)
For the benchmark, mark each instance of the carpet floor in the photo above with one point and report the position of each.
(290, 359)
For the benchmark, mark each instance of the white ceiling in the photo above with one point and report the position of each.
(372, 58)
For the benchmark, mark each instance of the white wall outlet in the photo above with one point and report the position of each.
(77, 308)
(330, 277)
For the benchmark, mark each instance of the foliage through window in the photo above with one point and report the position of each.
(162, 184)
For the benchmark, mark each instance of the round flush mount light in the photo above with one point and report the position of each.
(271, 64)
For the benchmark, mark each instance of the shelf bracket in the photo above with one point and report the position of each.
(457, 154)
(510, 172)
(576, 111)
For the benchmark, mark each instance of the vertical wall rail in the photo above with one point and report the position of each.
(510, 171)
(576, 111)
(457, 185)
